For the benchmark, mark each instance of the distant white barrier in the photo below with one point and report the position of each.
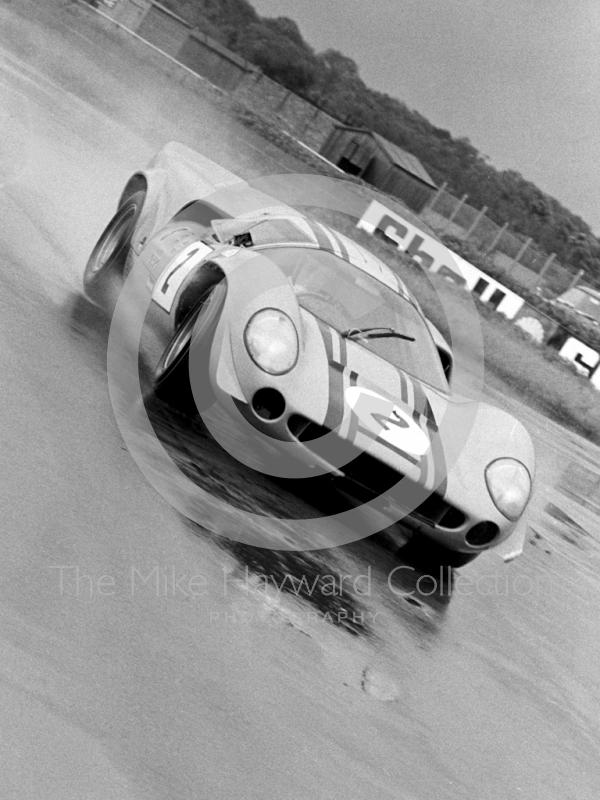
(435, 256)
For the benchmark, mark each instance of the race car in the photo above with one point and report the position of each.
(318, 345)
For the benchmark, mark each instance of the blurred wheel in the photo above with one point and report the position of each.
(172, 374)
(109, 256)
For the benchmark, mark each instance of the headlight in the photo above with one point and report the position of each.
(272, 341)
(509, 484)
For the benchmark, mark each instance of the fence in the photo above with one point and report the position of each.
(516, 255)
(223, 68)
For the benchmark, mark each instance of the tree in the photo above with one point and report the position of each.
(284, 26)
(276, 55)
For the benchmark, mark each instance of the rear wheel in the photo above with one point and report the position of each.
(109, 256)
(195, 335)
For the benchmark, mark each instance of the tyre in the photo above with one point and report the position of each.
(107, 262)
(425, 553)
(194, 338)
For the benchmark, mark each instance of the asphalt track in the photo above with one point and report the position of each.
(119, 677)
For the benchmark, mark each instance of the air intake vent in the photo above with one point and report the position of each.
(482, 533)
(370, 475)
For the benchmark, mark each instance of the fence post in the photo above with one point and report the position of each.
(282, 102)
(575, 280)
(546, 266)
(455, 210)
(496, 238)
(475, 222)
(435, 197)
(524, 247)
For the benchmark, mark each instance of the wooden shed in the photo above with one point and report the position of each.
(381, 163)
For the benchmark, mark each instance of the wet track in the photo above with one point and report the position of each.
(122, 679)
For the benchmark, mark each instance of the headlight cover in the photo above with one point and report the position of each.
(271, 340)
(509, 484)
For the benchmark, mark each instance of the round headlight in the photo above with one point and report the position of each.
(272, 341)
(509, 484)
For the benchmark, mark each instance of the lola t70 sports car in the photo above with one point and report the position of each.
(315, 343)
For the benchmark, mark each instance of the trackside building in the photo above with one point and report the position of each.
(381, 163)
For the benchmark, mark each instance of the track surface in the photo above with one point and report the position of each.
(122, 687)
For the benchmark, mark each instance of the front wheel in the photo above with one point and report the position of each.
(194, 337)
(109, 256)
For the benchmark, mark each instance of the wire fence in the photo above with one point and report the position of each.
(517, 255)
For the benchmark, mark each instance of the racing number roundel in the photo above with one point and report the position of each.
(387, 421)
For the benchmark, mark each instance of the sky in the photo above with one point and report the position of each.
(519, 78)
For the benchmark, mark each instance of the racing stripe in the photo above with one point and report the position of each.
(428, 412)
(340, 244)
(410, 392)
(353, 429)
(403, 387)
(317, 231)
(335, 408)
(335, 348)
(413, 395)
(306, 228)
(426, 476)
(343, 348)
(438, 460)
(403, 288)
(355, 256)
(333, 245)
(347, 413)
(420, 398)
(422, 405)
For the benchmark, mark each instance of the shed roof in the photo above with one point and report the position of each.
(397, 155)
(404, 160)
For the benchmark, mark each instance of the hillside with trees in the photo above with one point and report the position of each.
(332, 81)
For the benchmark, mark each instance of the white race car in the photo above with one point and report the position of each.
(317, 343)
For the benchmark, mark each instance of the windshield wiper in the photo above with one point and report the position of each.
(370, 333)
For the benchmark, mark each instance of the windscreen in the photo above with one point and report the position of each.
(347, 298)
